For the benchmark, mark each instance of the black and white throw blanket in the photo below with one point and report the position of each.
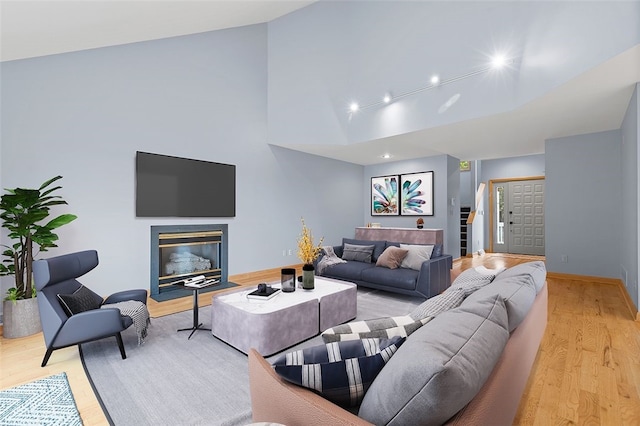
(330, 258)
(138, 312)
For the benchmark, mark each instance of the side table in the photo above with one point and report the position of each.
(197, 325)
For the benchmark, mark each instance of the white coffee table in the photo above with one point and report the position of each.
(285, 320)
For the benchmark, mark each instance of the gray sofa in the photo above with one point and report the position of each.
(432, 279)
(468, 366)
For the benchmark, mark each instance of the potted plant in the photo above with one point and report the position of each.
(307, 253)
(23, 212)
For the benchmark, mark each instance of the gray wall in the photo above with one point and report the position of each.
(630, 201)
(467, 187)
(452, 231)
(441, 219)
(83, 115)
(583, 204)
(513, 167)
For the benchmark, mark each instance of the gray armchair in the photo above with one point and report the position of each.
(57, 276)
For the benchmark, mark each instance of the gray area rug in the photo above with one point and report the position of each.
(201, 381)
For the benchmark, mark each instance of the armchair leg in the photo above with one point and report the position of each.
(47, 355)
(121, 346)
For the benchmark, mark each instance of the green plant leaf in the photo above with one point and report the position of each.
(61, 220)
(49, 182)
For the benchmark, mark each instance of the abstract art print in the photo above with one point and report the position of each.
(384, 196)
(417, 194)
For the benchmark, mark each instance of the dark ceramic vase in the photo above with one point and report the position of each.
(308, 277)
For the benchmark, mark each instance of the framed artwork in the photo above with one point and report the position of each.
(416, 194)
(465, 166)
(384, 196)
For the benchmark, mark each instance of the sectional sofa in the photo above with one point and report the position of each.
(430, 278)
(467, 366)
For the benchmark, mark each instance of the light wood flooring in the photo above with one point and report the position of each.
(587, 370)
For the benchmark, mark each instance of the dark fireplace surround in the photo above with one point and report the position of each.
(184, 251)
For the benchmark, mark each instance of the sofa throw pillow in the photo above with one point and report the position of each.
(378, 246)
(535, 271)
(357, 253)
(473, 279)
(440, 368)
(437, 251)
(438, 304)
(384, 328)
(341, 372)
(392, 257)
(416, 255)
(80, 300)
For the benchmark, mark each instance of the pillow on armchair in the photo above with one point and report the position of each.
(80, 300)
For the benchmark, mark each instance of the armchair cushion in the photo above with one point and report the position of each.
(80, 300)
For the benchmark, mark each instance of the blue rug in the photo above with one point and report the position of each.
(47, 401)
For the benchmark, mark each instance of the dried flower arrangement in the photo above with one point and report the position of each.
(307, 251)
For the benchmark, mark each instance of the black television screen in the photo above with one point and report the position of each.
(180, 187)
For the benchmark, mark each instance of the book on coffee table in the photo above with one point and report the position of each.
(270, 293)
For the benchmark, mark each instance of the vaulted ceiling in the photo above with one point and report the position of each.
(593, 101)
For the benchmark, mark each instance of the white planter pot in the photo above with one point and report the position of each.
(20, 318)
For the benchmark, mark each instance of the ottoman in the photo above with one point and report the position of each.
(287, 319)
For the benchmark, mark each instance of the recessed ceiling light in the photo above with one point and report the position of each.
(387, 98)
(435, 80)
(498, 61)
(354, 107)
(386, 156)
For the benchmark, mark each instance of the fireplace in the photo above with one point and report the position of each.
(183, 251)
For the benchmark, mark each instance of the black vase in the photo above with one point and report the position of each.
(288, 279)
(308, 276)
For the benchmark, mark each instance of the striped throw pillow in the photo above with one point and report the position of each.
(342, 371)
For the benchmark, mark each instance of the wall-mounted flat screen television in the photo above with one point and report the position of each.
(181, 187)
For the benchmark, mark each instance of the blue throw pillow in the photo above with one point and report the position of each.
(341, 371)
(357, 253)
(378, 246)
